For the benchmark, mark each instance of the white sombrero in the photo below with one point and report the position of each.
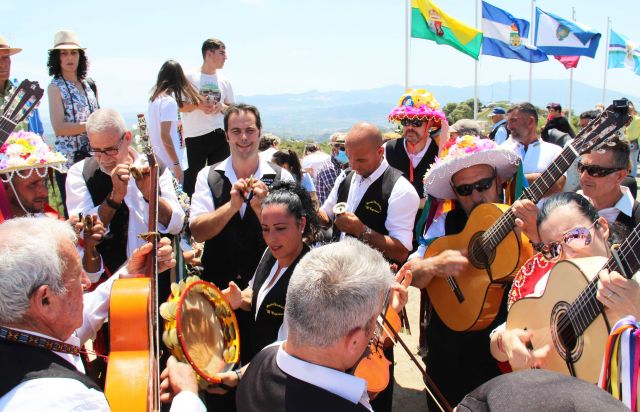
(24, 152)
(462, 152)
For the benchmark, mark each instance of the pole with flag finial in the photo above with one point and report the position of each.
(606, 62)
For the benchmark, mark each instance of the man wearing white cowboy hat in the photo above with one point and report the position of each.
(470, 170)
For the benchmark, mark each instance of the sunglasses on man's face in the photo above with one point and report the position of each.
(576, 238)
(411, 122)
(479, 186)
(597, 171)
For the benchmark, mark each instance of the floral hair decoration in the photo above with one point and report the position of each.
(24, 152)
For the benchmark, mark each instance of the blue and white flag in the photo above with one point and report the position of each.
(562, 37)
(506, 36)
(623, 53)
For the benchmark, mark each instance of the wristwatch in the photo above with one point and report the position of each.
(364, 236)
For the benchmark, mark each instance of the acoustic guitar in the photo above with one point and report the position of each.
(496, 251)
(18, 107)
(568, 317)
(133, 372)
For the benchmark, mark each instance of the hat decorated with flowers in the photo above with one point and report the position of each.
(24, 152)
(462, 152)
(419, 105)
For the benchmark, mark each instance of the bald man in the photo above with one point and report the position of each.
(381, 203)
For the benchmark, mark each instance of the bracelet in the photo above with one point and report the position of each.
(113, 205)
(238, 374)
(176, 163)
(366, 234)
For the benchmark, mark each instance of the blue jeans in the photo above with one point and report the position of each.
(634, 158)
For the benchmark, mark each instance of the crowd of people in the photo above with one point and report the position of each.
(309, 252)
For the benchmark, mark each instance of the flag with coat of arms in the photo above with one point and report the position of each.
(506, 36)
(561, 37)
(623, 53)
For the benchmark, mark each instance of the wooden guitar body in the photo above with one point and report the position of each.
(129, 382)
(542, 315)
(480, 290)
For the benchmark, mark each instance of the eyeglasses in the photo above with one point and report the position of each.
(479, 186)
(109, 151)
(597, 171)
(411, 122)
(576, 238)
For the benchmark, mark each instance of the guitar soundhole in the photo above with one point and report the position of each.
(478, 256)
(563, 334)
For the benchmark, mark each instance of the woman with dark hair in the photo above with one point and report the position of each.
(290, 161)
(72, 98)
(171, 92)
(569, 227)
(287, 218)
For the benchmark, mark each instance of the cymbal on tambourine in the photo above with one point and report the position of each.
(340, 208)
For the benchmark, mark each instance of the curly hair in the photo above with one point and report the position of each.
(298, 203)
(54, 64)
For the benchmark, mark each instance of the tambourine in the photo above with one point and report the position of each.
(339, 208)
(201, 328)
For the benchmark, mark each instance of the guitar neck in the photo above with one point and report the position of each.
(587, 307)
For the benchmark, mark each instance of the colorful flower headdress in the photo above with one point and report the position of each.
(24, 152)
(418, 104)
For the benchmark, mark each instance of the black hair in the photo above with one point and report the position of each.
(291, 158)
(565, 199)
(242, 107)
(527, 108)
(298, 203)
(56, 70)
(619, 149)
(590, 114)
(213, 45)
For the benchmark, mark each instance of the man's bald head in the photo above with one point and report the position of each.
(364, 148)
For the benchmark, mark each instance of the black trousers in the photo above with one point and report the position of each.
(61, 179)
(207, 149)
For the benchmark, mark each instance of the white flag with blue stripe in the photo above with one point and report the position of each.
(561, 37)
(623, 53)
(506, 36)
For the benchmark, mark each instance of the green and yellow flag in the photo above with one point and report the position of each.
(431, 23)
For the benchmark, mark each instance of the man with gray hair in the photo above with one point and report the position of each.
(44, 318)
(103, 185)
(335, 296)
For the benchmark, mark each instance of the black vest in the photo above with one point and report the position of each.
(266, 388)
(397, 157)
(459, 361)
(21, 363)
(264, 327)
(234, 253)
(373, 207)
(113, 247)
(492, 134)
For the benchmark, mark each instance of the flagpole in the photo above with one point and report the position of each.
(533, 32)
(606, 62)
(407, 9)
(570, 111)
(475, 77)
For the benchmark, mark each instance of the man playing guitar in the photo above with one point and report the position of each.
(470, 171)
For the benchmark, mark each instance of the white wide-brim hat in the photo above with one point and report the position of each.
(464, 152)
(66, 40)
(4, 45)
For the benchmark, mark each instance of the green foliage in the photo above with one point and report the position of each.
(298, 146)
(457, 111)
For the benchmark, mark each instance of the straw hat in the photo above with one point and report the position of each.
(466, 151)
(66, 40)
(4, 45)
(25, 151)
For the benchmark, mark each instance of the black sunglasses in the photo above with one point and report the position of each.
(597, 171)
(480, 186)
(411, 122)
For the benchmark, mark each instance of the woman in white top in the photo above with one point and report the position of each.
(171, 92)
(290, 161)
(287, 218)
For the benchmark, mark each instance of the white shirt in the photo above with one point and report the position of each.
(196, 122)
(266, 287)
(267, 155)
(416, 158)
(64, 394)
(403, 203)
(436, 230)
(79, 201)
(165, 109)
(315, 161)
(202, 199)
(501, 135)
(623, 205)
(346, 386)
(537, 156)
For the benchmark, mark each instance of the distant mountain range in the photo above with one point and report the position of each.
(315, 115)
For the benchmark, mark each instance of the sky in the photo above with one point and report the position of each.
(286, 46)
